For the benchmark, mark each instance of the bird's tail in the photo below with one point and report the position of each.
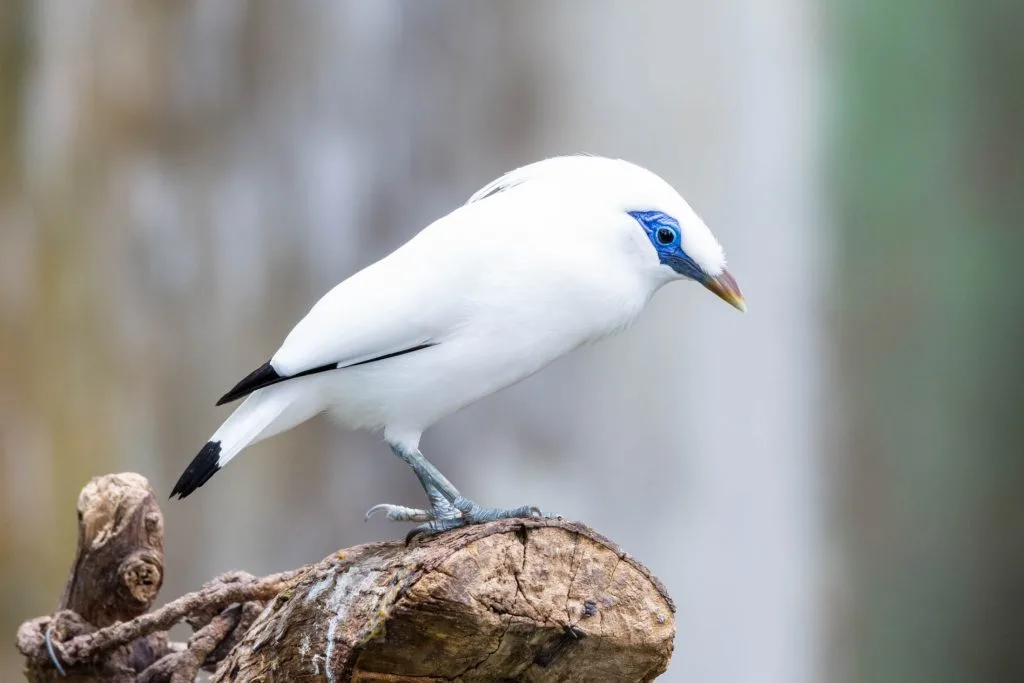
(263, 414)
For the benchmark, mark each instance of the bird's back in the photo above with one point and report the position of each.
(492, 290)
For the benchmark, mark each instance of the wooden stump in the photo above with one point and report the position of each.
(514, 600)
(116, 574)
(119, 561)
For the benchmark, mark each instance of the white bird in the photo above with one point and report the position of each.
(551, 256)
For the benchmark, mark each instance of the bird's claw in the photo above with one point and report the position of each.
(471, 513)
(434, 526)
(400, 513)
(460, 512)
(474, 514)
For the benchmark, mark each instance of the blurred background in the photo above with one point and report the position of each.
(830, 485)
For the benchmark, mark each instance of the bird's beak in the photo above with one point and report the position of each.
(724, 285)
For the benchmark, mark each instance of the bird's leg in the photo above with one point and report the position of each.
(434, 484)
(449, 508)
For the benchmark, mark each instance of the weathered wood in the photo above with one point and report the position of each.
(116, 574)
(523, 600)
(119, 562)
(221, 611)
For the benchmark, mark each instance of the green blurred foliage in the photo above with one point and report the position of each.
(928, 159)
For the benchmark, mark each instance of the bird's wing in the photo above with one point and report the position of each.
(404, 303)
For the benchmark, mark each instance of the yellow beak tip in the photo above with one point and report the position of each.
(724, 287)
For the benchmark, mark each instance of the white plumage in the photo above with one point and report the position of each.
(546, 258)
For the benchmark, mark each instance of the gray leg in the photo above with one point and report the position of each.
(448, 508)
(440, 506)
(425, 471)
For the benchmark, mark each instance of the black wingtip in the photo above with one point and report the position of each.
(199, 471)
(262, 376)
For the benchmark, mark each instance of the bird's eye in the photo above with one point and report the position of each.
(666, 235)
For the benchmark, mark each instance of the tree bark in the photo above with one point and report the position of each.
(524, 600)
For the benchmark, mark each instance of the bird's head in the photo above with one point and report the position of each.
(637, 207)
(682, 243)
(685, 246)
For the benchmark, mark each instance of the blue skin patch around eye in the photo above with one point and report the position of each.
(670, 252)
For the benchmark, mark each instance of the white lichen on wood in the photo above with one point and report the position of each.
(533, 600)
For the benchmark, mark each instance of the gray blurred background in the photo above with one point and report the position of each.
(830, 485)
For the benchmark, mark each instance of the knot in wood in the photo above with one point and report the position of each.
(141, 577)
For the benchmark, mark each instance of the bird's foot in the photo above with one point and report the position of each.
(471, 513)
(474, 514)
(434, 521)
(440, 508)
(444, 517)
(400, 513)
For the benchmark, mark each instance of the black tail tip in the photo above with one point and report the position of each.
(199, 471)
